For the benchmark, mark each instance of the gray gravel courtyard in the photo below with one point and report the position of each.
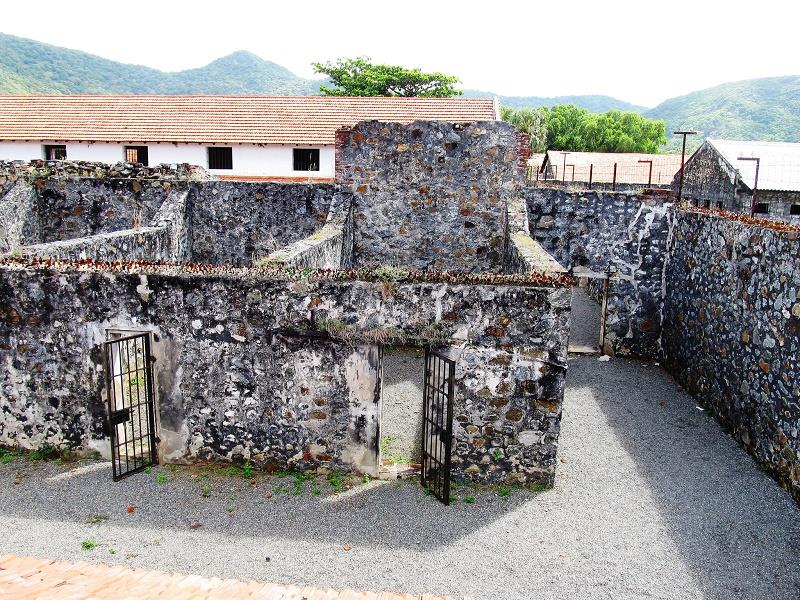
(652, 500)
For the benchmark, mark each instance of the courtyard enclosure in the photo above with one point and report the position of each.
(273, 349)
(270, 349)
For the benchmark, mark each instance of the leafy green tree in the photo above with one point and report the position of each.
(359, 77)
(577, 130)
(530, 121)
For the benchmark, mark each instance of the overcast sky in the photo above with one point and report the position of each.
(639, 51)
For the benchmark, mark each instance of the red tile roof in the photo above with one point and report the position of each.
(217, 119)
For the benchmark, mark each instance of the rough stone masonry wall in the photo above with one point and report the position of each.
(429, 195)
(731, 332)
(237, 223)
(597, 229)
(235, 383)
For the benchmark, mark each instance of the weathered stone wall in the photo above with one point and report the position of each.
(238, 379)
(599, 230)
(708, 176)
(19, 219)
(329, 248)
(429, 195)
(731, 332)
(238, 223)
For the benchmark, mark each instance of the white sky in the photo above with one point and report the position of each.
(639, 51)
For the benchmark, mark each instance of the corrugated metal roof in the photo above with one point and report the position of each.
(309, 120)
(779, 167)
(629, 169)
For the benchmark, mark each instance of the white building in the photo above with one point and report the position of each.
(236, 137)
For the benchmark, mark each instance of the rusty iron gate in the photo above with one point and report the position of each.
(129, 389)
(437, 431)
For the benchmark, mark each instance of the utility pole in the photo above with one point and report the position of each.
(683, 158)
(650, 173)
(755, 182)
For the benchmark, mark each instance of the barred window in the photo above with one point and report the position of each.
(306, 159)
(762, 208)
(136, 155)
(220, 158)
(55, 152)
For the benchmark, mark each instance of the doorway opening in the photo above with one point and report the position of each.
(130, 399)
(401, 427)
(588, 313)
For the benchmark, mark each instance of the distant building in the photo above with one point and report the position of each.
(716, 177)
(607, 170)
(262, 137)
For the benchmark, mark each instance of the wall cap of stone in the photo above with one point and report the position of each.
(369, 275)
(778, 226)
(67, 169)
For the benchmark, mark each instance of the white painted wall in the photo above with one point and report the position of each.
(269, 160)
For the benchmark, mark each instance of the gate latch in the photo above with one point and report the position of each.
(120, 416)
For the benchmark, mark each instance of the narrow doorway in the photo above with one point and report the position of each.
(401, 412)
(587, 309)
(130, 399)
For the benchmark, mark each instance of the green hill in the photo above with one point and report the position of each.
(754, 109)
(30, 67)
(762, 109)
(590, 103)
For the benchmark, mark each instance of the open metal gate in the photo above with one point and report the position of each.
(437, 431)
(131, 418)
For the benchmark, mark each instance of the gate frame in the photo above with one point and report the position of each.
(125, 335)
(446, 466)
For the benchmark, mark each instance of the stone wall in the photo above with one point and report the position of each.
(243, 374)
(625, 232)
(238, 223)
(429, 195)
(731, 332)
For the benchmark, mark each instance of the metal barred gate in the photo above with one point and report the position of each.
(437, 431)
(131, 415)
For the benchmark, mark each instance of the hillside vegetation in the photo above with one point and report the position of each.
(762, 109)
(755, 109)
(30, 67)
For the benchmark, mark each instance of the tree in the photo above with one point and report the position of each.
(530, 121)
(577, 130)
(359, 77)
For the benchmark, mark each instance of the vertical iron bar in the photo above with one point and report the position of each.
(449, 437)
(425, 393)
(137, 349)
(151, 405)
(591, 169)
(127, 374)
(614, 182)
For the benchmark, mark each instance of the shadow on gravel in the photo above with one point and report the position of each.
(378, 513)
(738, 532)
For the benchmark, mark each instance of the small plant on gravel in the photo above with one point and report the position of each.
(366, 478)
(205, 491)
(469, 499)
(247, 471)
(336, 481)
(94, 519)
(148, 469)
(496, 454)
(88, 544)
(6, 456)
(428, 491)
(503, 491)
(44, 451)
(161, 478)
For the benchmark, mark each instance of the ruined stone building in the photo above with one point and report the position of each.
(722, 174)
(159, 314)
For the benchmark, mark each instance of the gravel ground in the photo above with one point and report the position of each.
(652, 500)
(585, 319)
